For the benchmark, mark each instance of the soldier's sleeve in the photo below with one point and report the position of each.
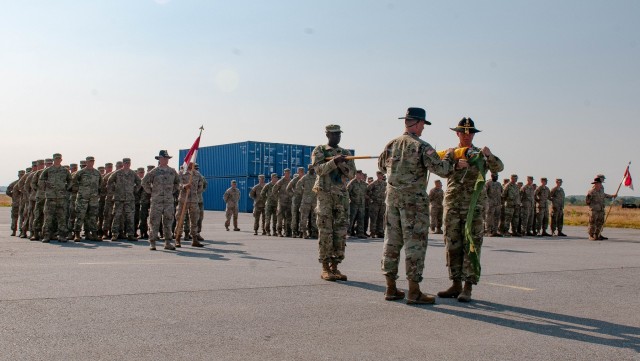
(431, 160)
(263, 192)
(205, 184)
(319, 162)
(201, 186)
(137, 184)
(74, 181)
(587, 199)
(9, 190)
(225, 196)
(276, 187)
(252, 193)
(348, 168)
(300, 185)
(176, 181)
(494, 164)
(147, 180)
(536, 194)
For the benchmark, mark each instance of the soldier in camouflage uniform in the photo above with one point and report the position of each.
(556, 196)
(271, 205)
(493, 189)
(595, 200)
(86, 183)
(407, 160)
(284, 204)
(125, 183)
(258, 205)
(333, 201)
(107, 214)
(460, 188)
(40, 199)
(357, 189)
(367, 206)
(527, 198)
(542, 208)
(56, 180)
(201, 202)
(13, 192)
(295, 203)
(308, 200)
(145, 203)
(231, 198)
(436, 197)
(71, 201)
(138, 202)
(28, 198)
(161, 182)
(24, 202)
(190, 188)
(511, 200)
(376, 192)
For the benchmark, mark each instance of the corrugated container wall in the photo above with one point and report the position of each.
(245, 160)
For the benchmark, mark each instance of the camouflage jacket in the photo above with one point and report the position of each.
(125, 183)
(255, 194)
(270, 198)
(376, 192)
(357, 192)
(436, 197)
(494, 193)
(556, 196)
(527, 195)
(161, 183)
(291, 189)
(231, 197)
(195, 190)
(105, 190)
(12, 190)
(595, 199)
(280, 190)
(25, 187)
(87, 182)
(331, 176)
(511, 195)
(305, 188)
(205, 184)
(542, 196)
(37, 186)
(56, 181)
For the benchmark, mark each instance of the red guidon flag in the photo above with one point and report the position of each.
(191, 155)
(627, 179)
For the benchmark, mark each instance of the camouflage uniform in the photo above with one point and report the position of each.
(436, 197)
(494, 207)
(28, 200)
(376, 192)
(556, 196)
(511, 200)
(308, 200)
(332, 201)
(37, 215)
(357, 189)
(542, 209)
(189, 198)
(56, 181)
(145, 203)
(231, 198)
(258, 206)
(527, 198)
(71, 201)
(284, 207)
(161, 182)
(13, 192)
(86, 183)
(295, 205)
(595, 200)
(271, 207)
(201, 203)
(407, 161)
(107, 215)
(125, 183)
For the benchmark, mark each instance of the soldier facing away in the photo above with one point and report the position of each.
(494, 206)
(258, 205)
(190, 188)
(436, 197)
(271, 205)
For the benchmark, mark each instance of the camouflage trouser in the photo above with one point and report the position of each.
(86, 211)
(492, 219)
(557, 219)
(15, 214)
(308, 215)
(192, 214)
(38, 215)
(376, 216)
(332, 219)
(258, 212)
(508, 220)
(55, 213)
(271, 212)
(366, 217)
(107, 215)
(406, 226)
(542, 218)
(21, 213)
(596, 221)
(136, 217)
(143, 224)
(284, 217)
(436, 217)
(515, 221)
(201, 206)
(527, 218)
(356, 218)
(27, 216)
(231, 212)
(123, 212)
(100, 212)
(295, 215)
(161, 213)
(72, 211)
(456, 246)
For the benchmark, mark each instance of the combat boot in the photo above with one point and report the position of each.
(255, 232)
(602, 238)
(561, 234)
(392, 293)
(415, 297)
(465, 295)
(178, 243)
(199, 237)
(114, 237)
(13, 233)
(187, 237)
(236, 229)
(93, 237)
(132, 238)
(23, 234)
(35, 236)
(545, 234)
(169, 246)
(338, 275)
(76, 237)
(264, 233)
(439, 231)
(195, 243)
(152, 245)
(453, 291)
(62, 239)
(326, 274)
(71, 236)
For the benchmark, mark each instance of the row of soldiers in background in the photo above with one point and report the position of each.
(50, 200)
(517, 209)
(286, 207)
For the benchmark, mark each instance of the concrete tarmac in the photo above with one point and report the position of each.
(246, 297)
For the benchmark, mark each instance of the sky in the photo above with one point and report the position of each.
(553, 85)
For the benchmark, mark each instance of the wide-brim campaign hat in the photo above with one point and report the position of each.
(416, 114)
(466, 125)
(163, 154)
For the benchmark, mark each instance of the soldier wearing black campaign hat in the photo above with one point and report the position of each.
(467, 126)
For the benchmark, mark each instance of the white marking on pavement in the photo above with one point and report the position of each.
(510, 286)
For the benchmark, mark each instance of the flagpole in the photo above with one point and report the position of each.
(180, 220)
(611, 205)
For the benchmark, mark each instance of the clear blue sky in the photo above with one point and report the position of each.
(552, 84)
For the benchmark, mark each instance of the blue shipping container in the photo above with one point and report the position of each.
(216, 186)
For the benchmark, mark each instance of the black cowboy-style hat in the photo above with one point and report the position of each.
(466, 125)
(163, 154)
(416, 114)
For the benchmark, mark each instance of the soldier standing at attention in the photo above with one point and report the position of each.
(231, 199)
(30, 193)
(201, 201)
(556, 196)
(458, 200)
(190, 187)
(494, 207)
(284, 204)
(56, 182)
(308, 202)
(295, 203)
(86, 183)
(38, 211)
(333, 201)
(271, 204)
(161, 182)
(407, 161)
(527, 197)
(125, 183)
(357, 189)
(24, 203)
(145, 203)
(595, 200)
(367, 204)
(376, 192)
(542, 208)
(436, 197)
(12, 191)
(107, 215)
(510, 199)
(258, 205)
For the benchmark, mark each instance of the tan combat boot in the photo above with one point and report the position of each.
(415, 297)
(326, 274)
(392, 293)
(152, 245)
(168, 245)
(465, 295)
(76, 237)
(336, 273)
(194, 242)
(453, 291)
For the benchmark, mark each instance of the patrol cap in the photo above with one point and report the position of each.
(416, 114)
(309, 166)
(140, 169)
(514, 176)
(558, 179)
(287, 170)
(596, 180)
(332, 128)
(274, 175)
(261, 176)
(21, 172)
(300, 169)
(126, 160)
(29, 169)
(34, 162)
(90, 158)
(101, 168)
(41, 161)
(73, 165)
(57, 155)
(379, 172)
(359, 171)
(233, 181)
(466, 126)
(48, 161)
(543, 179)
(150, 167)
(438, 181)
(108, 164)
(83, 162)
(118, 163)
(530, 177)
